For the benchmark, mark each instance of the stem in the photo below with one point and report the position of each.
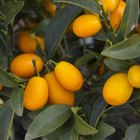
(66, 44)
(109, 109)
(95, 67)
(9, 129)
(62, 50)
(53, 62)
(106, 19)
(34, 66)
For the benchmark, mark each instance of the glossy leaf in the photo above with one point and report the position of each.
(4, 57)
(133, 132)
(127, 49)
(80, 125)
(26, 121)
(6, 120)
(104, 130)
(48, 120)
(98, 111)
(130, 18)
(120, 110)
(54, 135)
(16, 101)
(83, 60)
(11, 9)
(117, 65)
(6, 79)
(90, 5)
(68, 132)
(116, 121)
(134, 96)
(57, 27)
(101, 35)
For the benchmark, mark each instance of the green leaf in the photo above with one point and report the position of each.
(57, 27)
(4, 57)
(116, 121)
(121, 110)
(68, 132)
(16, 101)
(11, 9)
(6, 79)
(133, 132)
(6, 120)
(127, 49)
(89, 5)
(134, 96)
(98, 111)
(80, 125)
(41, 28)
(54, 135)
(48, 120)
(104, 130)
(130, 18)
(26, 121)
(83, 60)
(117, 65)
(101, 35)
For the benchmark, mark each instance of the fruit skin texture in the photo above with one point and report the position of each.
(22, 65)
(1, 87)
(27, 44)
(110, 5)
(57, 93)
(117, 90)
(68, 76)
(116, 17)
(36, 93)
(134, 76)
(86, 25)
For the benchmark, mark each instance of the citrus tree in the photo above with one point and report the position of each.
(69, 69)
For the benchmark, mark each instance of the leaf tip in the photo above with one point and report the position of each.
(27, 137)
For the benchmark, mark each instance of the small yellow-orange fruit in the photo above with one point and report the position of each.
(86, 25)
(57, 93)
(22, 65)
(36, 93)
(117, 89)
(68, 76)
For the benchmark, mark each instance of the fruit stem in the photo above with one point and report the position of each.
(106, 19)
(34, 66)
(53, 62)
(66, 44)
(62, 50)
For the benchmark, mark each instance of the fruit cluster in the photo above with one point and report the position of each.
(56, 87)
(118, 88)
(89, 24)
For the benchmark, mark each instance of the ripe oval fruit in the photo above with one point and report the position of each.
(116, 17)
(36, 93)
(134, 76)
(22, 65)
(27, 44)
(86, 25)
(110, 5)
(117, 90)
(68, 76)
(57, 93)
